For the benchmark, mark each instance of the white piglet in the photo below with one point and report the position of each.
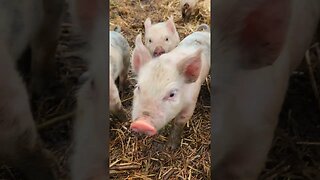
(256, 45)
(119, 61)
(168, 86)
(161, 37)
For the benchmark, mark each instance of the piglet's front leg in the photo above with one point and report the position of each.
(179, 123)
(120, 113)
(123, 81)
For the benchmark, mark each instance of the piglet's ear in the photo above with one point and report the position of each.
(170, 24)
(147, 23)
(140, 55)
(190, 67)
(260, 27)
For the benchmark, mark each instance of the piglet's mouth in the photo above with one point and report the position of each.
(158, 54)
(142, 125)
(158, 51)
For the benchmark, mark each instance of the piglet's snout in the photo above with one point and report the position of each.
(143, 125)
(158, 51)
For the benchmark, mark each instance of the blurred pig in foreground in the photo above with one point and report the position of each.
(257, 44)
(89, 159)
(119, 61)
(168, 87)
(161, 37)
(23, 24)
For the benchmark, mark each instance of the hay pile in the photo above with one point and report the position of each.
(134, 156)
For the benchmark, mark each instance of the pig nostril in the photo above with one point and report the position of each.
(146, 113)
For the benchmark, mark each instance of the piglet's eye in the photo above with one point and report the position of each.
(167, 39)
(171, 95)
(150, 40)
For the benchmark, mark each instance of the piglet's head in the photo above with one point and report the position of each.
(162, 37)
(159, 92)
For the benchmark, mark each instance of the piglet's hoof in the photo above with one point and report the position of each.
(121, 115)
(173, 145)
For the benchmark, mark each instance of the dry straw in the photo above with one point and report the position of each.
(134, 156)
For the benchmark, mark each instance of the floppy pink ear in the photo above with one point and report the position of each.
(170, 24)
(140, 55)
(190, 67)
(147, 23)
(262, 33)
